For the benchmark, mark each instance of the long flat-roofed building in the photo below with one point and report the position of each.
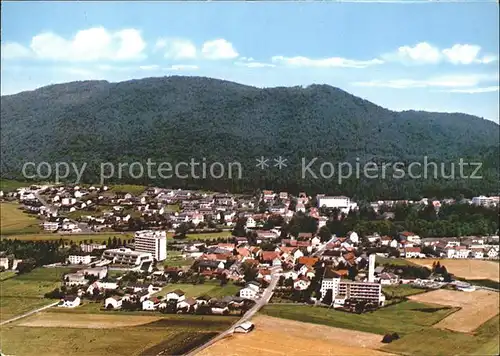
(126, 256)
(153, 242)
(343, 289)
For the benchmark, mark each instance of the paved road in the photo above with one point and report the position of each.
(83, 226)
(266, 296)
(322, 248)
(43, 201)
(28, 313)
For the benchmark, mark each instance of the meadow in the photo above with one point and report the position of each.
(13, 220)
(434, 341)
(139, 340)
(77, 238)
(128, 188)
(7, 185)
(403, 318)
(23, 293)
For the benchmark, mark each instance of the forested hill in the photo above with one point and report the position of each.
(178, 118)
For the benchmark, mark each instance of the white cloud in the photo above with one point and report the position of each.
(451, 81)
(87, 45)
(425, 53)
(176, 48)
(182, 67)
(422, 52)
(218, 49)
(325, 62)
(249, 62)
(255, 64)
(150, 67)
(13, 50)
(475, 90)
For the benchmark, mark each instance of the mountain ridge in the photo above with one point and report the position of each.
(177, 118)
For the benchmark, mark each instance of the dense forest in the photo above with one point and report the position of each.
(173, 119)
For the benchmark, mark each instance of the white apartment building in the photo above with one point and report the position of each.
(50, 226)
(126, 256)
(153, 242)
(457, 252)
(343, 289)
(77, 259)
(340, 202)
(485, 201)
(88, 248)
(361, 291)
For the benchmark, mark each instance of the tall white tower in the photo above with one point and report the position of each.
(371, 268)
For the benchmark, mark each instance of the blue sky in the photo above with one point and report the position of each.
(423, 56)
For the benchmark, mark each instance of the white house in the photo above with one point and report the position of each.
(77, 259)
(188, 304)
(251, 223)
(477, 252)
(301, 283)
(151, 304)
(389, 278)
(353, 236)
(176, 295)
(69, 302)
(457, 252)
(75, 279)
(50, 226)
(113, 302)
(492, 253)
(250, 291)
(413, 252)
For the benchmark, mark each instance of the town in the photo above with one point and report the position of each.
(174, 251)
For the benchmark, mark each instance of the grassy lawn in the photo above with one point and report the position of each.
(393, 261)
(7, 185)
(139, 340)
(25, 292)
(432, 341)
(401, 290)
(97, 237)
(202, 236)
(14, 221)
(128, 188)
(173, 208)
(191, 290)
(6, 275)
(79, 213)
(175, 259)
(404, 318)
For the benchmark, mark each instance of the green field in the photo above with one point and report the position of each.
(15, 221)
(432, 341)
(393, 261)
(77, 238)
(404, 318)
(128, 188)
(6, 275)
(25, 292)
(175, 259)
(7, 185)
(202, 236)
(172, 334)
(401, 290)
(210, 288)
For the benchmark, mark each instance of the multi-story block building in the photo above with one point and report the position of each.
(153, 242)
